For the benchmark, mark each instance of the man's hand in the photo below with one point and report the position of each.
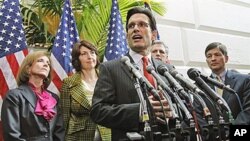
(159, 112)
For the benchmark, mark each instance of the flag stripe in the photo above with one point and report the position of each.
(59, 69)
(6, 69)
(14, 66)
(8, 64)
(53, 87)
(3, 85)
(21, 55)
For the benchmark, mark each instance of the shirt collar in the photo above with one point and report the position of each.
(138, 57)
(222, 75)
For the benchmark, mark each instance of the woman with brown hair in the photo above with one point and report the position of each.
(76, 96)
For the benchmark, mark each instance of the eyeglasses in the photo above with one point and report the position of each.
(140, 25)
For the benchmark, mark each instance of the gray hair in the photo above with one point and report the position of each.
(161, 43)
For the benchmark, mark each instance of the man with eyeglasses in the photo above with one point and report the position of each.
(116, 103)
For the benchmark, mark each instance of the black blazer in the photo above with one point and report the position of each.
(115, 100)
(20, 123)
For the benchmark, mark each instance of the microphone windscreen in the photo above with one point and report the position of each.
(124, 59)
(193, 73)
(150, 68)
(162, 69)
(174, 72)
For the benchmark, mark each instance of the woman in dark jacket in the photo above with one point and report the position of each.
(30, 112)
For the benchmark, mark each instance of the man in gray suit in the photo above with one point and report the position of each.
(216, 58)
(116, 104)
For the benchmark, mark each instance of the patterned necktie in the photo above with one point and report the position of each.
(219, 91)
(146, 74)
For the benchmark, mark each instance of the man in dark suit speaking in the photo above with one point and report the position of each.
(115, 101)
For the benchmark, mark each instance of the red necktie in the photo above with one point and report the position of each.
(146, 74)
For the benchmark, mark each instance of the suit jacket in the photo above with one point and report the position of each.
(76, 108)
(240, 83)
(20, 123)
(115, 101)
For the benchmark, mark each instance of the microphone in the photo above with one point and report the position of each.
(141, 78)
(221, 86)
(185, 82)
(151, 70)
(216, 83)
(174, 83)
(163, 70)
(194, 74)
(193, 88)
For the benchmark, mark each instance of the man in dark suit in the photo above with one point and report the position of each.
(115, 101)
(216, 58)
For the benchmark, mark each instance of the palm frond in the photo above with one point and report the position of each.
(48, 7)
(92, 18)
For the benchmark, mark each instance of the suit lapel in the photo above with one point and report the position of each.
(126, 69)
(229, 80)
(29, 95)
(78, 92)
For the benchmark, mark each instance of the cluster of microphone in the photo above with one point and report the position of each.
(180, 93)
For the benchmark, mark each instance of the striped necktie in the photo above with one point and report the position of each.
(218, 90)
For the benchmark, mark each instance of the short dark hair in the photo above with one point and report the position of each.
(219, 45)
(141, 10)
(76, 53)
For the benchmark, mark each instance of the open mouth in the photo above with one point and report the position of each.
(136, 37)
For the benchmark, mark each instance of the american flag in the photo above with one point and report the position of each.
(66, 36)
(13, 47)
(116, 42)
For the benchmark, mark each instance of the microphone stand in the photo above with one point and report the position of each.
(220, 131)
(181, 133)
(145, 116)
(210, 132)
(158, 135)
(148, 118)
(223, 126)
(150, 133)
